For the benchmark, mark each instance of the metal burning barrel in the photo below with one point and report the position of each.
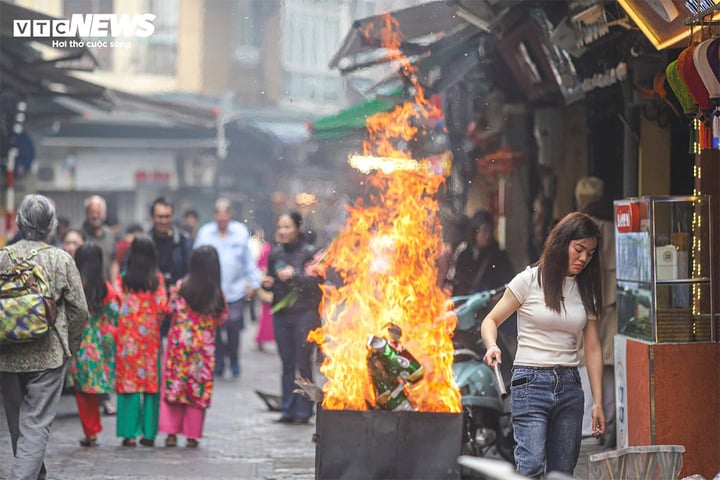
(382, 444)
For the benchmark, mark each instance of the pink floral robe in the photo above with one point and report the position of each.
(190, 354)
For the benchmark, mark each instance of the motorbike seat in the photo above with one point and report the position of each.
(464, 354)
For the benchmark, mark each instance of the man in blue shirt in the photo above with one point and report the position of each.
(239, 277)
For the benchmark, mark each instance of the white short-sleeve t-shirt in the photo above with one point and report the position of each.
(547, 338)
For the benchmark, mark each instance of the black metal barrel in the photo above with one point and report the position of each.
(379, 444)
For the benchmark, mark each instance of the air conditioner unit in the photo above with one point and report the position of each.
(200, 171)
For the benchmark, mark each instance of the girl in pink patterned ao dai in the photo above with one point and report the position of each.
(197, 308)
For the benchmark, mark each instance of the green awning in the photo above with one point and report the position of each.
(352, 119)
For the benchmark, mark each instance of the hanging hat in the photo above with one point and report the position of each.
(680, 89)
(713, 56)
(689, 74)
(707, 75)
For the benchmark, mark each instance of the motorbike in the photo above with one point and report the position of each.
(486, 416)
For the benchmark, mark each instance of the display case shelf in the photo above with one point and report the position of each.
(663, 269)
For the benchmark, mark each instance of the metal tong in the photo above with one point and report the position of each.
(499, 382)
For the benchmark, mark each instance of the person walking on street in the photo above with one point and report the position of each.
(296, 299)
(143, 302)
(93, 366)
(265, 332)
(122, 245)
(197, 307)
(239, 275)
(96, 231)
(556, 300)
(71, 241)
(190, 223)
(173, 246)
(32, 374)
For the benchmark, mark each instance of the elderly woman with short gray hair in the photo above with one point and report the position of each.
(32, 374)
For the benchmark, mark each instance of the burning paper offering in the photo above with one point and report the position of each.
(385, 261)
(385, 257)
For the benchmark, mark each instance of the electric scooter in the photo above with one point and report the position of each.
(486, 418)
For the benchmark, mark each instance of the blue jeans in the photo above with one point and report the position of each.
(547, 413)
(291, 331)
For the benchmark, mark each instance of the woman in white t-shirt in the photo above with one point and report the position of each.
(555, 299)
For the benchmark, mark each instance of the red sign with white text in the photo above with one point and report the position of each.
(627, 217)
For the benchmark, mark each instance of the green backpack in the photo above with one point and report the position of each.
(27, 307)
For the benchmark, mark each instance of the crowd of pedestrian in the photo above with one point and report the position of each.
(150, 317)
(155, 317)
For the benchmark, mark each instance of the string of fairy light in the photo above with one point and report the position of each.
(697, 269)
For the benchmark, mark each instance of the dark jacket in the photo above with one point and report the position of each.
(297, 255)
(173, 255)
(481, 269)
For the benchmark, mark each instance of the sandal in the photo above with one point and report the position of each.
(88, 442)
(147, 442)
(171, 441)
(191, 443)
(129, 442)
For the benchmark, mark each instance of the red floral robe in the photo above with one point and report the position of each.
(138, 339)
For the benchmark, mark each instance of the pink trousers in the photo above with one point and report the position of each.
(181, 419)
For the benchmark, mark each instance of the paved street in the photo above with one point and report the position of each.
(241, 441)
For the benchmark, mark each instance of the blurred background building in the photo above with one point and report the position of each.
(214, 102)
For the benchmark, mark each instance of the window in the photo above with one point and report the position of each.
(162, 44)
(248, 19)
(311, 34)
(104, 55)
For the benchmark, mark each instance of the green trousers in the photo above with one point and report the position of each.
(137, 415)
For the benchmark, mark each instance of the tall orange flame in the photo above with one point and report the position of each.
(385, 256)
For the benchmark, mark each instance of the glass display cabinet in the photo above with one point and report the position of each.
(666, 352)
(663, 253)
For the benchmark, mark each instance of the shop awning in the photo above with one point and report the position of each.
(420, 27)
(454, 56)
(43, 66)
(352, 119)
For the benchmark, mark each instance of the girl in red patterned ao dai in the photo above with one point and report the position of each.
(197, 308)
(143, 304)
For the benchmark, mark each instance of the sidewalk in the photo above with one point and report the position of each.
(241, 441)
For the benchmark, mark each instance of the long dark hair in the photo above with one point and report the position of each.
(140, 274)
(201, 288)
(89, 261)
(553, 264)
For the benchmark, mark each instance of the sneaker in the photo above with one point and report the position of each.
(283, 420)
(235, 369)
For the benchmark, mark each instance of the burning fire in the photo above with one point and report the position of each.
(385, 256)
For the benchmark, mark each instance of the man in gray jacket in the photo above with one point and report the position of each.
(32, 374)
